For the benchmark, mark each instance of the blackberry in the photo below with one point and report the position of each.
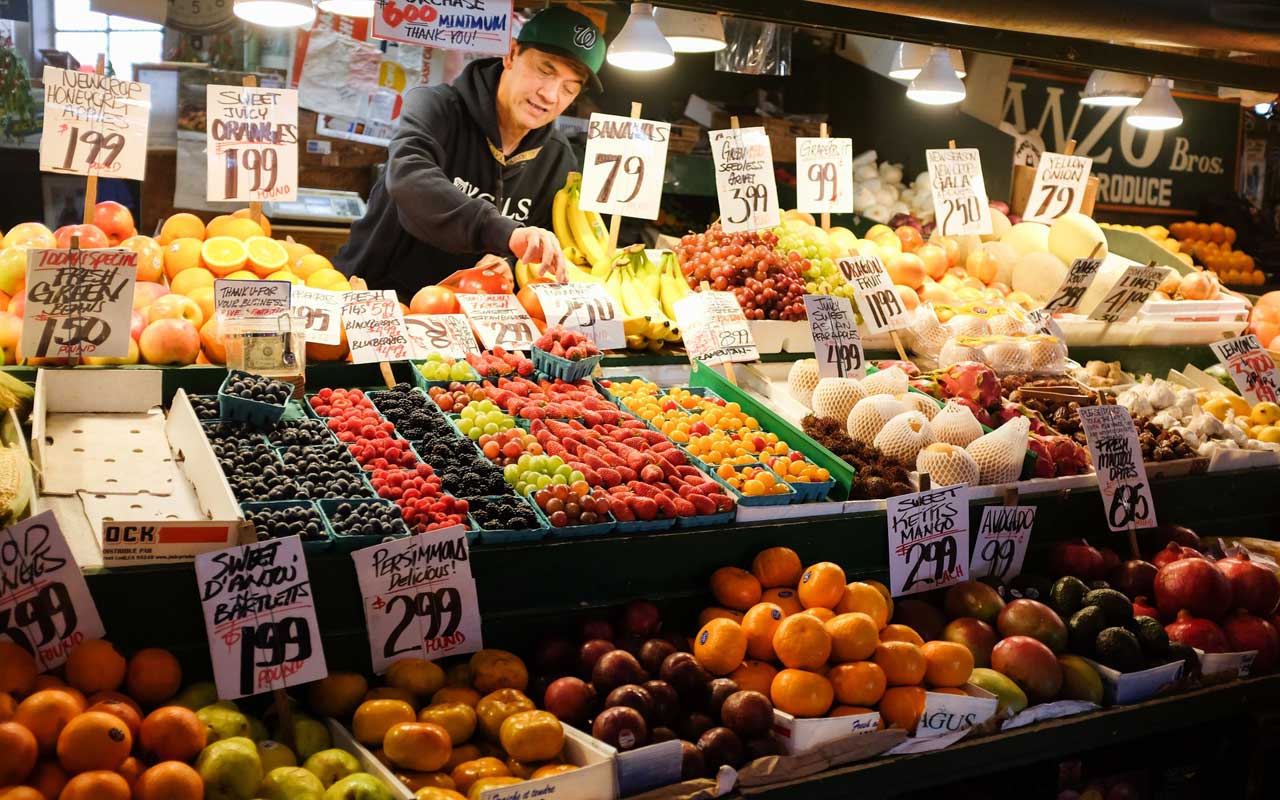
(277, 523)
(502, 513)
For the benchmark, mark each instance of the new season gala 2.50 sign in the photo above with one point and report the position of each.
(252, 150)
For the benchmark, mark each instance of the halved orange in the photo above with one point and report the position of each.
(224, 255)
(265, 255)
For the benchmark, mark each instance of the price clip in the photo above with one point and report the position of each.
(1078, 280)
(375, 328)
(320, 311)
(447, 334)
(625, 165)
(94, 125)
(714, 329)
(878, 301)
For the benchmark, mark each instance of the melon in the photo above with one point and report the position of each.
(869, 416)
(834, 398)
(1074, 235)
(999, 454)
(1000, 225)
(1038, 274)
(947, 465)
(887, 381)
(956, 424)
(802, 379)
(903, 437)
(919, 402)
(1027, 237)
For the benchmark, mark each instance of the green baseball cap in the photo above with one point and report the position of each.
(567, 33)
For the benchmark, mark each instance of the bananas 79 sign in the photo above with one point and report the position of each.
(625, 163)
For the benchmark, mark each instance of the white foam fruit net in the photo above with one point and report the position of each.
(887, 381)
(999, 454)
(870, 415)
(802, 379)
(918, 402)
(903, 437)
(836, 397)
(947, 465)
(956, 425)
(927, 333)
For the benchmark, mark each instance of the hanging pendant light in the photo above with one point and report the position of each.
(910, 58)
(348, 8)
(1157, 111)
(937, 84)
(1107, 88)
(276, 13)
(640, 46)
(690, 31)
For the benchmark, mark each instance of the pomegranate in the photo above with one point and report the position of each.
(1246, 632)
(1177, 533)
(1192, 584)
(1173, 552)
(1078, 558)
(1110, 559)
(1142, 608)
(1196, 632)
(1253, 586)
(1134, 578)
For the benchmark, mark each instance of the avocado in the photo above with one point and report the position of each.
(1151, 635)
(1119, 649)
(1029, 587)
(1190, 661)
(1114, 604)
(1067, 595)
(1083, 629)
(1099, 584)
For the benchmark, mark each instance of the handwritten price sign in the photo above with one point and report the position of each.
(1001, 544)
(1129, 294)
(1079, 278)
(960, 202)
(1058, 187)
(878, 301)
(447, 334)
(252, 143)
(320, 311)
(1250, 367)
(745, 183)
(500, 320)
(836, 342)
(375, 326)
(259, 617)
(419, 597)
(714, 329)
(625, 163)
(79, 302)
(246, 306)
(928, 539)
(824, 175)
(583, 307)
(45, 605)
(1117, 458)
(476, 26)
(94, 125)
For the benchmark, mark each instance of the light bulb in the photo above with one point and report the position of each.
(937, 84)
(640, 46)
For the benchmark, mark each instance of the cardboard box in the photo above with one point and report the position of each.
(130, 485)
(646, 767)
(1125, 688)
(685, 137)
(343, 740)
(1235, 665)
(803, 735)
(952, 713)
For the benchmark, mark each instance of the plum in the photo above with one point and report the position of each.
(685, 675)
(621, 727)
(632, 696)
(615, 668)
(653, 652)
(696, 724)
(590, 653)
(570, 699)
(641, 618)
(721, 746)
(717, 692)
(747, 714)
(692, 764)
(666, 703)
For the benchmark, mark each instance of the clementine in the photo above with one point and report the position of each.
(897, 632)
(715, 612)
(720, 646)
(759, 623)
(777, 567)
(17, 669)
(45, 713)
(800, 693)
(18, 753)
(902, 662)
(860, 683)
(169, 780)
(947, 664)
(95, 665)
(96, 785)
(802, 642)
(48, 778)
(172, 733)
(863, 597)
(785, 599)
(755, 676)
(902, 706)
(819, 613)
(821, 585)
(94, 740)
(735, 588)
(853, 636)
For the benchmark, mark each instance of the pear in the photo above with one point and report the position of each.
(230, 769)
(331, 766)
(290, 783)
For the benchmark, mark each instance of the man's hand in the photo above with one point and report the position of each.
(539, 246)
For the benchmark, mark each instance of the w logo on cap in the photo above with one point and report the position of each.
(584, 36)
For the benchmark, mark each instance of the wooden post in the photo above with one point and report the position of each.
(255, 206)
(359, 285)
(91, 182)
(1009, 496)
(826, 215)
(1070, 149)
(615, 222)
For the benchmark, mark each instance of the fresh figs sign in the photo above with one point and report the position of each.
(928, 539)
(419, 597)
(1117, 458)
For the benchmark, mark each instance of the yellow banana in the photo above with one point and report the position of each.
(656, 344)
(587, 241)
(673, 284)
(635, 326)
(576, 274)
(636, 342)
(648, 273)
(597, 225)
(560, 221)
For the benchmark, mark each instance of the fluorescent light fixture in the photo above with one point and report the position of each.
(276, 13)
(1106, 88)
(910, 58)
(347, 8)
(640, 46)
(690, 31)
(1262, 109)
(937, 84)
(1157, 111)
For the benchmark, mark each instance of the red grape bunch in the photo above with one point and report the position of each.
(768, 284)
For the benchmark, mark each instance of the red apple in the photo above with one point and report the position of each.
(170, 341)
(175, 306)
(137, 321)
(146, 292)
(114, 220)
(90, 236)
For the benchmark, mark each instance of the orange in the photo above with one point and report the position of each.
(241, 275)
(864, 597)
(7, 706)
(45, 713)
(897, 632)
(715, 612)
(468, 772)
(189, 280)
(947, 664)
(213, 346)
(821, 585)
(95, 665)
(801, 642)
(96, 785)
(902, 706)
(169, 780)
(389, 693)
(130, 769)
(234, 227)
(18, 752)
(859, 684)
(437, 793)
(755, 676)
(785, 599)
(286, 275)
(459, 719)
(819, 613)
(150, 256)
(373, 718)
(203, 295)
(94, 740)
(884, 592)
(48, 778)
(902, 662)
(107, 695)
(759, 623)
(337, 694)
(735, 588)
(800, 693)
(181, 254)
(777, 566)
(422, 746)
(306, 264)
(224, 255)
(125, 712)
(261, 219)
(154, 676)
(328, 279)
(172, 733)
(20, 793)
(720, 646)
(496, 669)
(853, 636)
(295, 251)
(17, 670)
(265, 255)
(456, 694)
(180, 226)
(417, 675)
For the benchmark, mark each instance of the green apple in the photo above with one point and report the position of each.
(331, 766)
(360, 786)
(257, 731)
(222, 722)
(310, 736)
(231, 769)
(196, 696)
(290, 783)
(274, 754)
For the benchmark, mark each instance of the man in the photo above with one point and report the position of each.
(474, 166)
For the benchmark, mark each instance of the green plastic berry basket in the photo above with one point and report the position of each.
(486, 536)
(425, 383)
(308, 546)
(346, 543)
(242, 409)
(758, 500)
(572, 531)
(708, 520)
(555, 367)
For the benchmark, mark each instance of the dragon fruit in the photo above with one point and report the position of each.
(1069, 458)
(1044, 457)
(979, 412)
(928, 385)
(970, 380)
(906, 366)
(1005, 412)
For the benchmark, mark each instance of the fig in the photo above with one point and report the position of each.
(721, 746)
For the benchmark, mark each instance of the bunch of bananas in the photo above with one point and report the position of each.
(582, 234)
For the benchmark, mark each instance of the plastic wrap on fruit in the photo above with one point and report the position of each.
(1008, 354)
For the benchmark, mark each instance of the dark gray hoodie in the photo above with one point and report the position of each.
(448, 195)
